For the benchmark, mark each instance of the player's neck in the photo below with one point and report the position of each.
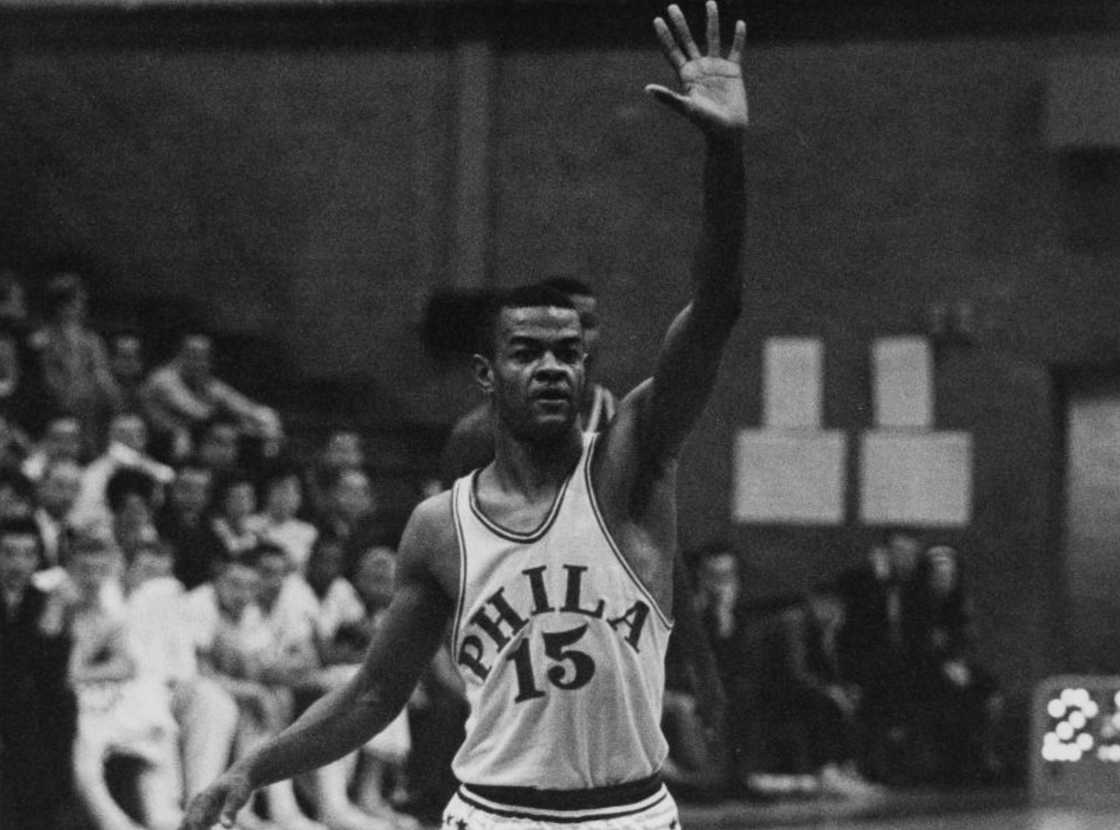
(531, 466)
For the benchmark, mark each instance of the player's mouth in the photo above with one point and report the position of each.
(553, 394)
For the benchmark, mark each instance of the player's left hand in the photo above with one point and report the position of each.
(713, 96)
(219, 803)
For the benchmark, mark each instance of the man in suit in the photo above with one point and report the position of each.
(37, 707)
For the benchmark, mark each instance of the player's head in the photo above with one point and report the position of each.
(586, 302)
(534, 371)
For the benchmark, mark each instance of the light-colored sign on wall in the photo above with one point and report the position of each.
(789, 477)
(902, 379)
(916, 479)
(792, 369)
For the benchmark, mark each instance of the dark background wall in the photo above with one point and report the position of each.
(298, 179)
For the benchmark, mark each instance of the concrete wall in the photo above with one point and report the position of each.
(303, 190)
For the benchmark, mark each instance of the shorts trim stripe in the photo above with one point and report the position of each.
(561, 816)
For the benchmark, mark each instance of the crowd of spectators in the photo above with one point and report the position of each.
(176, 586)
(867, 681)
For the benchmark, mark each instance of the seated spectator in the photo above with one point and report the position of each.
(182, 524)
(163, 644)
(21, 388)
(217, 444)
(126, 362)
(292, 612)
(74, 362)
(340, 623)
(238, 649)
(880, 657)
(57, 494)
(128, 444)
(184, 393)
(119, 712)
(385, 756)
(694, 718)
(278, 522)
(726, 621)
(959, 700)
(343, 451)
(231, 513)
(61, 441)
(819, 698)
(351, 515)
(17, 495)
(133, 497)
(14, 443)
(37, 707)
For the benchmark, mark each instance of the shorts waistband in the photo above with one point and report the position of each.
(629, 794)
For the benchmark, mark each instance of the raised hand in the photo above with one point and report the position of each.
(713, 96)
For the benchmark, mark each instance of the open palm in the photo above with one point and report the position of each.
(713, 96)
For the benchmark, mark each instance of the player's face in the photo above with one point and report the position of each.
(537, 374)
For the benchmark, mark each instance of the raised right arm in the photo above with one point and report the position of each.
(344, 719)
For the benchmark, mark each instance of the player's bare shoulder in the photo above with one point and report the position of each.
(429, 548)
(625, 459)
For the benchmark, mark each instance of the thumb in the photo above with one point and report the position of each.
(674, 101)
(235, 800)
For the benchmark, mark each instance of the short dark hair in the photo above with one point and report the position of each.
(534, 295)
(22, 526)
(86, 544)
(20, 484)
(226, 481)
(201, 429)
(62, 289)
(129, 481)
(568, 285)
(280, 470)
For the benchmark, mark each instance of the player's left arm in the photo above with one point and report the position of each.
(714, 99)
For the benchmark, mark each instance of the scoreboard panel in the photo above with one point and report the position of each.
(1075, 739)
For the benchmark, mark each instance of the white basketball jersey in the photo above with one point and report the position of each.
(561, 647)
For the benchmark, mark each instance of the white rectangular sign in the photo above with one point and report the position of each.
(789, 477)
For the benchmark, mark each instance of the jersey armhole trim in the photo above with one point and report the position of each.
(666, 620)
(460, 540)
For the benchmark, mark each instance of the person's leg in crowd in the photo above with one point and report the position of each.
(207, 717)
(333, 803)
(158, 786)
(383, 761)
(92, 788)
(283, 807)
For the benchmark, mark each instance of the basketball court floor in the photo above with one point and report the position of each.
(1026, 818)
(995, 809)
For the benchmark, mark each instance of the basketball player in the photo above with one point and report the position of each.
(554, 563)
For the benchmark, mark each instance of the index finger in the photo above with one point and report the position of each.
(669, 47)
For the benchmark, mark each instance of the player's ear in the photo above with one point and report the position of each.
(483, 371)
